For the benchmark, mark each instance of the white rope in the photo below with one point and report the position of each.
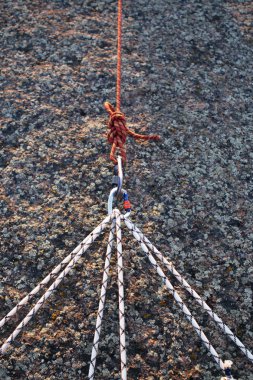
(176, 296)
(101, 303)
(147, 247)
(91, 238)
(49, 277)
(196, 296)
(122, 330)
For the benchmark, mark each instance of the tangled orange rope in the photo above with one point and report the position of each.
(117, 123)
(118, 132)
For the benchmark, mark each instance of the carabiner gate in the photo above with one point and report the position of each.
(117, 191)
(127, 205)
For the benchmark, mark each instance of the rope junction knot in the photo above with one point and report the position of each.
(118, 132)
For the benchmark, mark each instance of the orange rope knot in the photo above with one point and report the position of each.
(118, 132)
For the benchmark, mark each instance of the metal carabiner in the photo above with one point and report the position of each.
(113, 192)
(117, 191)
(111, 198)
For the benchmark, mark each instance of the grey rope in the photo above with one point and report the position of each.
(194, 294)
(122, 328)
(91, 238)
(176, 296)
(101, 303)
(48, 278)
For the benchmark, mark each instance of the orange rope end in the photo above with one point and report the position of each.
(109, 108)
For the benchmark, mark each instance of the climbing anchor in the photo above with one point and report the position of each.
(117, 137)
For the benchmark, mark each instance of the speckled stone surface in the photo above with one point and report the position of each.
(187, 75)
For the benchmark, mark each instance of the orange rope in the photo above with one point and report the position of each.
(118, 131)
(118, 83)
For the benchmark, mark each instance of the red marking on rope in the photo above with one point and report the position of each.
(127, 205)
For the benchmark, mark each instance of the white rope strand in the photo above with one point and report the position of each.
(194, 294)
(92, 237)
(177, 297)
(121, 299)
(101, 303)
(49, 277)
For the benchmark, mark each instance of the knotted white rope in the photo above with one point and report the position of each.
(122, 328)
(83, 247)
(176, 296)
(187, 286)
(101, 303)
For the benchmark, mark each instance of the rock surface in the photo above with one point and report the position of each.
(187, 75)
